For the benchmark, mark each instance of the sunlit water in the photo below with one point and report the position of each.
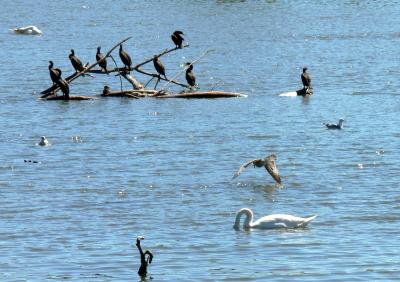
(163, 168)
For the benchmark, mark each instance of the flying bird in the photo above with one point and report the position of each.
(335, 126)
(269, 163)
(177, 38)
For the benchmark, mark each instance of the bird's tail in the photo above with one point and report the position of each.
(307, 220)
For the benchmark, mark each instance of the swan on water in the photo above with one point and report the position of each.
(272, 221)
(43, 141)
(30, 30)
(269, 163)
(335, 126)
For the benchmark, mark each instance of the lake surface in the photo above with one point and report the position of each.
(163, 168)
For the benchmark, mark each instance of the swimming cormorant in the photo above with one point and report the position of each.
(143, 261)
(177, 38)
(103, 61)
(76, 63)
(159, 66)
(125, 58)
(269, 163)
(190, 78)
(305, 78)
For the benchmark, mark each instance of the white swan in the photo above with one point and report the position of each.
(30, 29)
(43, 141)
(272, 221)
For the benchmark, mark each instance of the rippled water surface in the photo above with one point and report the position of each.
(163, 168)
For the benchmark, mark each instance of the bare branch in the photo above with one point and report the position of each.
(78, 74)
(178, 74)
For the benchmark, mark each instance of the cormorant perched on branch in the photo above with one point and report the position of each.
(159, 66)
(190, 78)
(54, 73)
(125, 58)
(63, 84)
(305, 78)
(143, 261)
(103, 61)
(177, 38)
(76, 63)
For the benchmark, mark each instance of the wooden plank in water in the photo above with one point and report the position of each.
(206, 94)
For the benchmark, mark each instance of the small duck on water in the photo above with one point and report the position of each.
(335, 126)
(43, 141)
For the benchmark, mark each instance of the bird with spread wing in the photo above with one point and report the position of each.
(269, 163)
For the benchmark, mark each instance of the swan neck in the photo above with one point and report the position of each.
(247, 221)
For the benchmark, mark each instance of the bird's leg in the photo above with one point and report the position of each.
(158, 80)
(148, 82)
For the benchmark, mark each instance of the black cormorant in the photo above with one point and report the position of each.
(125, 58)
(190, 78)
(103, 61)
(63, 84)
(76, 63)
(177, 38)
(54, 73)
(305, 78)
(144, 262)
(159, 66)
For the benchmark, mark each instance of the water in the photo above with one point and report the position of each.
(162, 168)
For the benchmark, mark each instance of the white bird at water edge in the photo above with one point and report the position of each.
(273, 221)
(29, 30)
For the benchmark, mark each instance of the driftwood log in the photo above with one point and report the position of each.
(71, 98)
(163, 94)
(203, 94)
